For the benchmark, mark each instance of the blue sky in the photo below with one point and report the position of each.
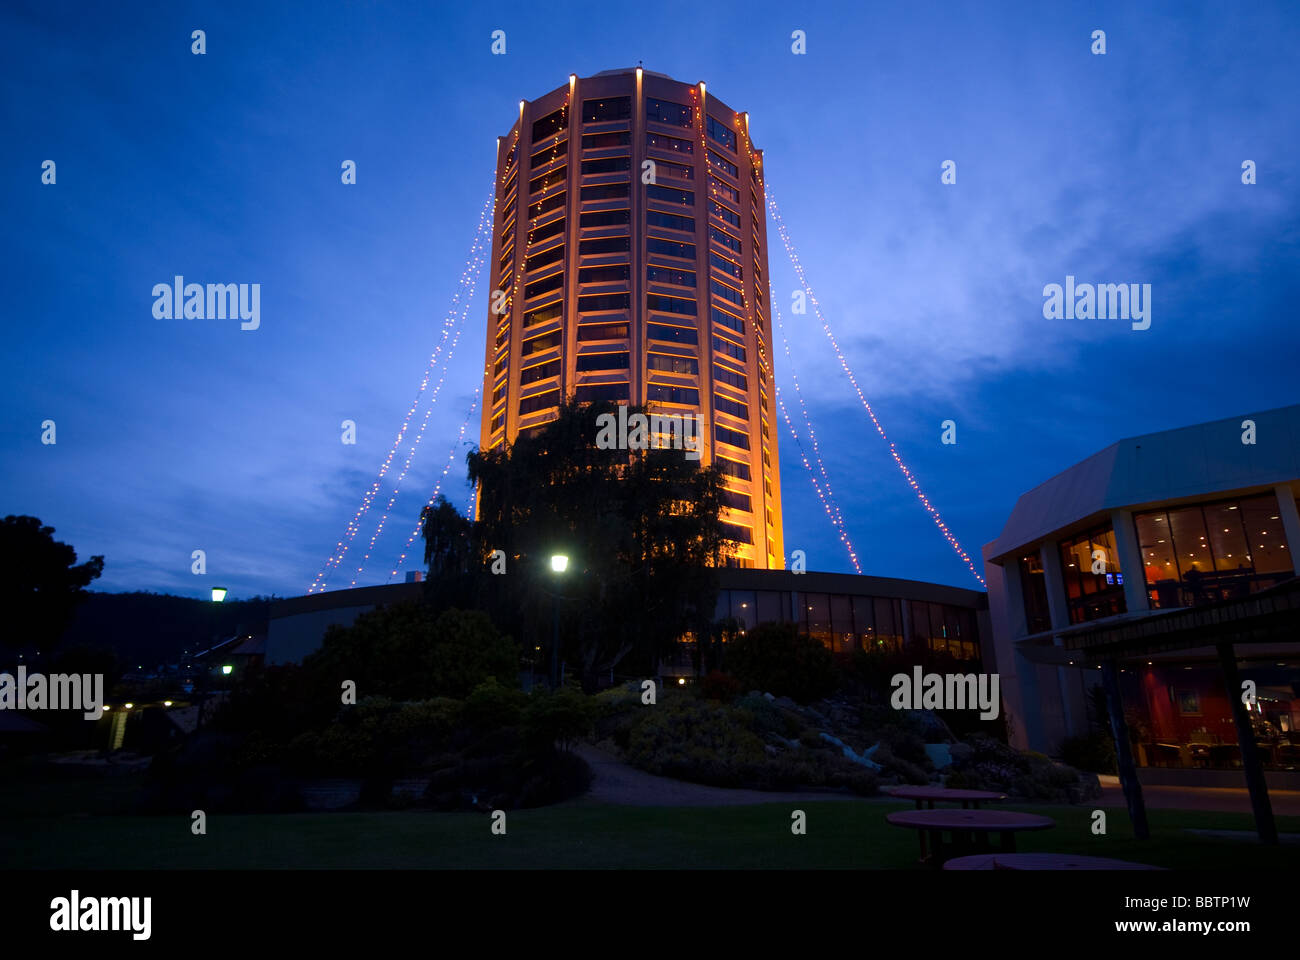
(178, 435)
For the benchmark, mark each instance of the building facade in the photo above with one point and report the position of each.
(629, 264)
(1167, 558)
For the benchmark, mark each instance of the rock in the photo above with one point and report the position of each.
(766, 696)
(939, 755)
(783, 702)
(862, 759)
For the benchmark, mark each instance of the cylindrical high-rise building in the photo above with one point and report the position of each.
(629, 263)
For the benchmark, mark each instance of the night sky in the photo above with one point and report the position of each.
(176, 435)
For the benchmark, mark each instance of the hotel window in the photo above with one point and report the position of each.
(738, 410)
(1033, 587)
(604, 301)
(682, 278)
(552, 229)
(538, 260)
(553, 152)
(727, 320)
(605, 191)
(683, 198)
(540, 401)
(602, 331)
(733, 350)
(602, 141)
(724, 164)
(864, 624)
(606, 218)
(733, 531)
(658, 331)
(601, 393)
(736, 501)
(551, 368)
(725, 239)
(665, 111)
(665, 363)
(549, 312)
(731, 468)
(549, 125)
(659, 141)
(1088, 595)
(553, 202)
(669, 221)
(610, 108)
(724, 213)
(726, 375)
(663, 304)
(607, 165)
(671, 248)
(724, 190)
(548, 180)
(1205, 552)
(604, 245)
(545, 285)
(601, 361)
(544, 342)
(726, 292)
(726, 266)
(736, 439)
(611, 274)
(679, 171)
(662, 393)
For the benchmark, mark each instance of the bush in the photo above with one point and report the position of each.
(776, 658)
(1094, 752)
(491, 706)
(720, 686)
(560, 717)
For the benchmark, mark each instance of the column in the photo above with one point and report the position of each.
(1130, 561)
(1290, 522)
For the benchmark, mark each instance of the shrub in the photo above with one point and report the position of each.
(491, 706)
(720, 686)
(776, 658)
(560, 717)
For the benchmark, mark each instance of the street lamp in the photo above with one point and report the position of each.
(218, 594)
(559, 563)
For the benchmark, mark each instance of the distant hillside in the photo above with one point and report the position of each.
(148, 629)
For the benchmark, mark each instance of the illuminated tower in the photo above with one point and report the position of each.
(629, 263)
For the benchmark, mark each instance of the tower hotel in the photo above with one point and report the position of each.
(629, 264)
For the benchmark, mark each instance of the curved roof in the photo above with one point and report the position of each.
(1206, 458)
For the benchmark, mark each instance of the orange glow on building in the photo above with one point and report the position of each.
(629, 263)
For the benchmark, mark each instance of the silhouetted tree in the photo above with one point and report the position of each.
(41, 582)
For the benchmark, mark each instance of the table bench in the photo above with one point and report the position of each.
(970, 830)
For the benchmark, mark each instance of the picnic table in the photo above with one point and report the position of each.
(969, 829)
(973, 798)
(1041, 861)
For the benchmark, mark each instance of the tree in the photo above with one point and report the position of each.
(640, 527)
(405, 653)
(776, 658)
(41, 582)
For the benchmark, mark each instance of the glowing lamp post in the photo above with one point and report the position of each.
(559, 564)
(218, 594)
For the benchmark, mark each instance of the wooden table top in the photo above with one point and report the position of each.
(992, 820)
(943, 793)
(1041, 861)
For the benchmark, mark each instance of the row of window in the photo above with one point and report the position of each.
(1191, 555)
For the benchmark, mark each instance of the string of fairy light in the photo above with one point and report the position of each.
(466, 284)
(828, 500)
(784, 232)
(419, 435)
(451, 459)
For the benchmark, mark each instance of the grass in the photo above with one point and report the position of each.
(80, 824)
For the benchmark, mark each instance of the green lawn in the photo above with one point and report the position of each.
(42, 826)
